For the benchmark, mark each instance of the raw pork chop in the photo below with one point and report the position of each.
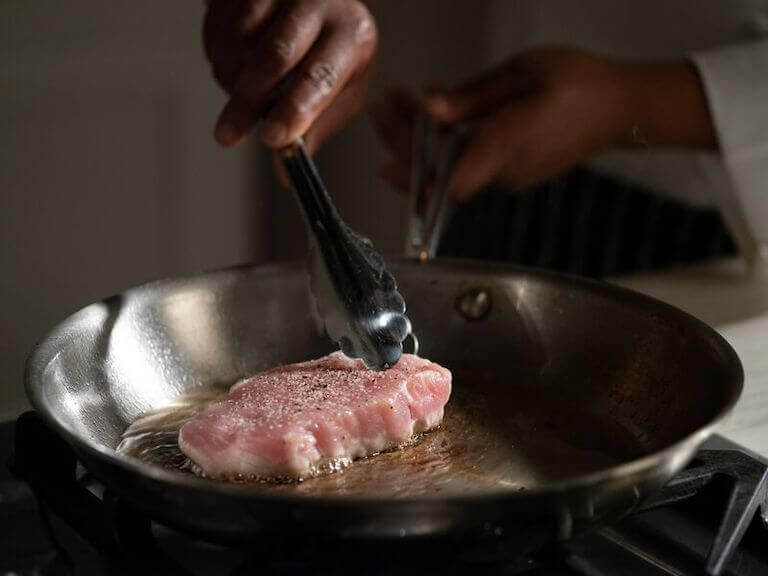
(294, 420)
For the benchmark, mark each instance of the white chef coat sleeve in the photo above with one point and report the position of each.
(735, 79)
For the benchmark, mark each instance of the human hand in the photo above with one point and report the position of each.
(301, 67)
(546, 111)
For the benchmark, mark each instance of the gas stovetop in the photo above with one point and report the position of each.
(55, 518)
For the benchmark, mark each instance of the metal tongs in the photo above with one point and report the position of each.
(356, 297)
(430, 206)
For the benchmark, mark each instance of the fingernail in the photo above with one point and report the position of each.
(437, 105)
(225, 134)
(273, 134)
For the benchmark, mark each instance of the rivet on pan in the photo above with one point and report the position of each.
(474, 304)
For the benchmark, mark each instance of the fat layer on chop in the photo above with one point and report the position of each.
(294, 420)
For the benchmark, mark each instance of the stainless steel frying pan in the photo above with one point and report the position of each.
(573, 401)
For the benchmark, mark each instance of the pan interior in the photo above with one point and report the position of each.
(477, 448)
(559, 379)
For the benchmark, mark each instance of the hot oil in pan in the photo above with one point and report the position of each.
(478, 448)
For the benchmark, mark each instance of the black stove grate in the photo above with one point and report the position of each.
(694, 526)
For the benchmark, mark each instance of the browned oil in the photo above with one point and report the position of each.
(481, 446)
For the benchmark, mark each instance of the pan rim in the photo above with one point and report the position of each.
(46, 351)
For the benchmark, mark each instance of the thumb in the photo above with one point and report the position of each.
(498, 140)
(481, 159)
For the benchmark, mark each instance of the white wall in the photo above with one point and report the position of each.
(109, 176)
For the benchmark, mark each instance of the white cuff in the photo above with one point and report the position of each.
(735, 79)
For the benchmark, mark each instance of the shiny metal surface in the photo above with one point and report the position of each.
(356, 296)
(434, 152)
(474, 304)
(589, 351)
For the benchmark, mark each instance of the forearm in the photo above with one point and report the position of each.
(665, 105)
